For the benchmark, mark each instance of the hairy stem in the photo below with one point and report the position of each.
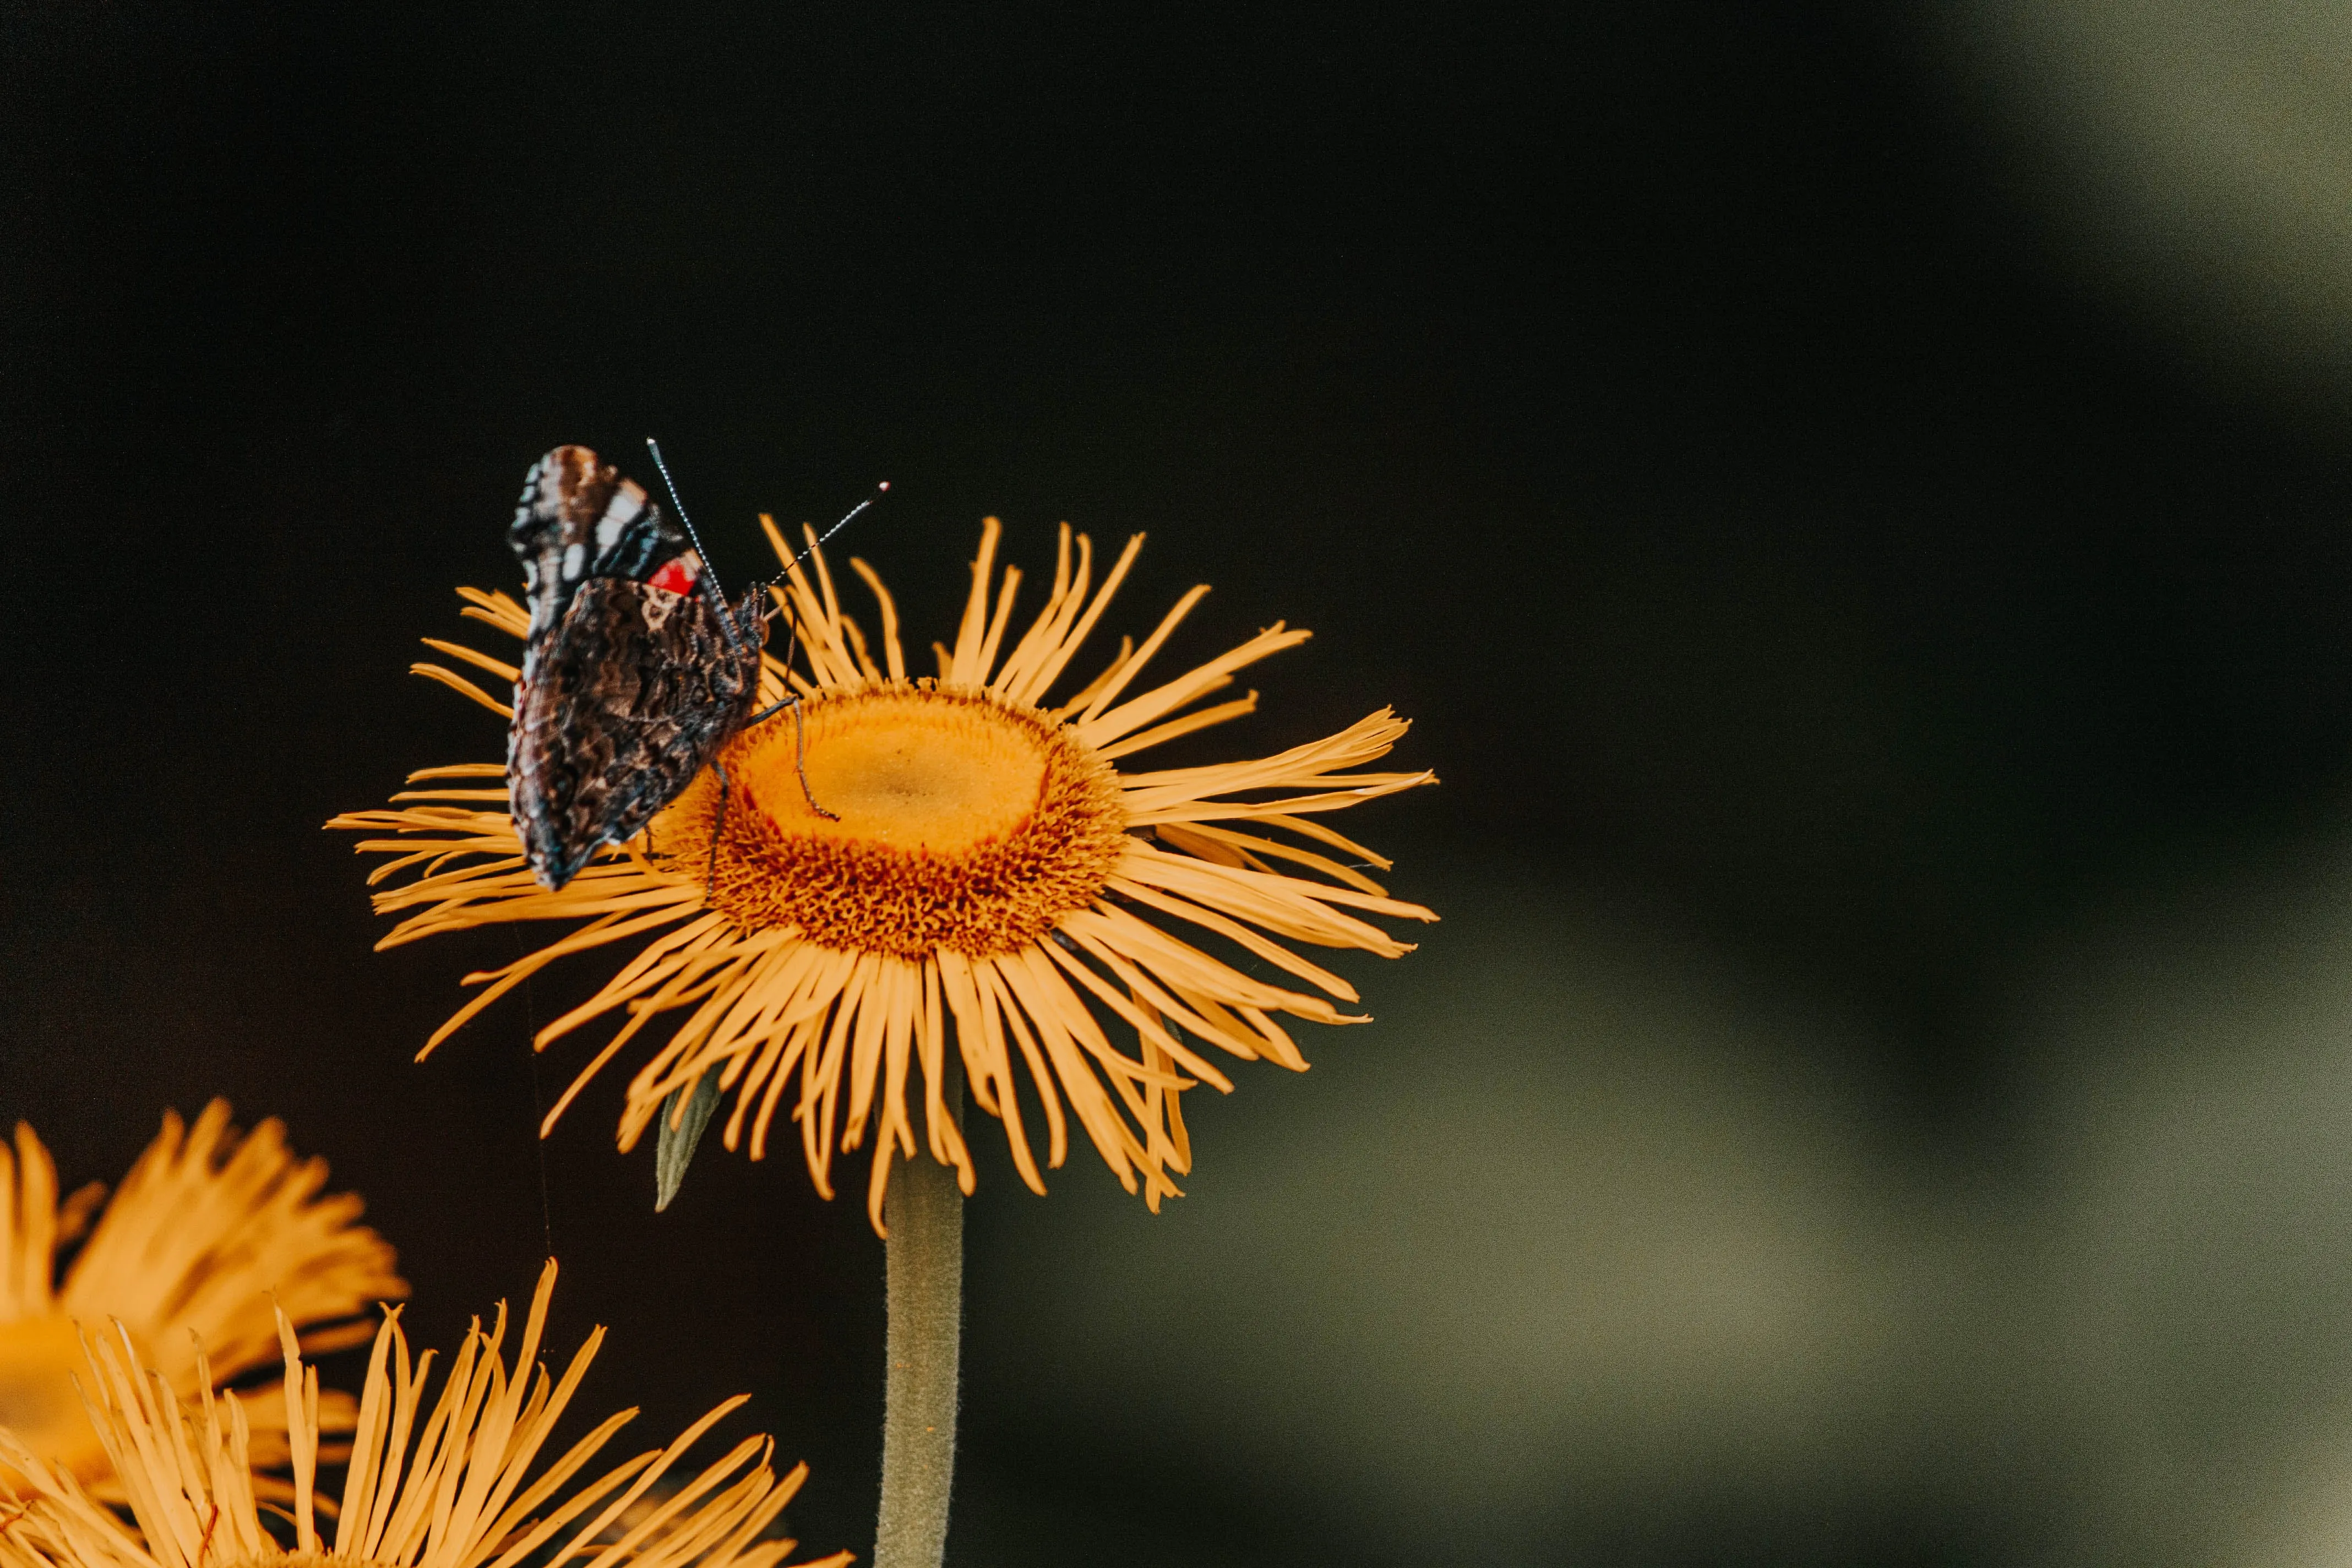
(924, 1259)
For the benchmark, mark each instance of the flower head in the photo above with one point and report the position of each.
(453, 1484)
(203, 1234)
(904, 853)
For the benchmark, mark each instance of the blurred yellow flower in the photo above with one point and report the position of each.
(204, 1233)
(979, 858)
(462, 1496)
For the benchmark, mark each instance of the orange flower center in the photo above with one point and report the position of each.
(958, 821)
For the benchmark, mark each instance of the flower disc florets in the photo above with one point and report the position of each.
(958, 821)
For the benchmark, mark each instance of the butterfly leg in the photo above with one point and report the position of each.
(799, 748)
(710, 873)
(799, 760)
(800, 734)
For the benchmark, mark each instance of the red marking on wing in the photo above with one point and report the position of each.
(676, 575)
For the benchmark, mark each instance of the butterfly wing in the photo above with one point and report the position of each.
(630, 681)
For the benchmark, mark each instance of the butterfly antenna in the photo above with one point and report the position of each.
(707, 579)
(880, 491)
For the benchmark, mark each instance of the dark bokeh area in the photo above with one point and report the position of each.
(1822, 593)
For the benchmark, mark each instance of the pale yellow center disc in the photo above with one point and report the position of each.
(903, 770)
(958, 822)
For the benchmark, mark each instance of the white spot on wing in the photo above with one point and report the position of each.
(575, 560)
(627, 502)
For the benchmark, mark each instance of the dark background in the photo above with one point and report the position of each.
(1681, 411)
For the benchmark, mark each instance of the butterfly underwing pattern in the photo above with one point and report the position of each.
(635, 670)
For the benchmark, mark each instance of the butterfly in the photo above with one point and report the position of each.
(635, 670)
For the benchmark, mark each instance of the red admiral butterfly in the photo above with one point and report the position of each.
(635, 670)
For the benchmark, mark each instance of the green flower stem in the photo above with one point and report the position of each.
(924, 1261)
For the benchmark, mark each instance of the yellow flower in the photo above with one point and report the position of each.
(203, 1234)
(979, 858)
(462, 1496)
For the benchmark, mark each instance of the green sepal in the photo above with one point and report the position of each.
(674, 1151)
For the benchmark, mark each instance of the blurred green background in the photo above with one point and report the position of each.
(1853, 498)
